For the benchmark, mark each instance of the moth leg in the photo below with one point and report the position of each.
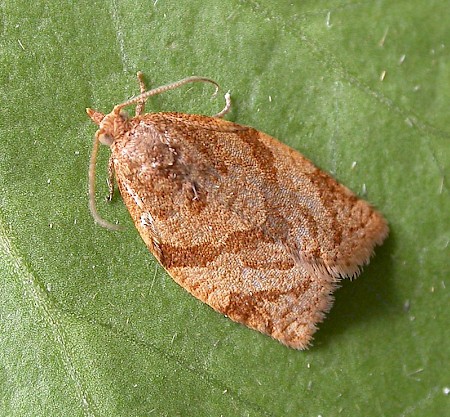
(195, 192)
(227, 106)
(140, 107)
(110, 178)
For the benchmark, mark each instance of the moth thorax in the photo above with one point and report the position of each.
(160, 156)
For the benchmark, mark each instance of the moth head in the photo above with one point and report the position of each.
(111, 126)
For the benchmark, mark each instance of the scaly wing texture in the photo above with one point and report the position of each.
(243, 222)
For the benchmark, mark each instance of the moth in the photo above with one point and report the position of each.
(243, 222)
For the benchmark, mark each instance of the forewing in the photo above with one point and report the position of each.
(243, 222)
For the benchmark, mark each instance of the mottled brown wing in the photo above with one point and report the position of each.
(243, 222)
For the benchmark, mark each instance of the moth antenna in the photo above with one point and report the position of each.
(92, 207)
(163, 88)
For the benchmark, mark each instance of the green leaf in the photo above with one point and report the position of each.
(91, 325)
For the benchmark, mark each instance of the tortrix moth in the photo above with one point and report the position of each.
(241, 221)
